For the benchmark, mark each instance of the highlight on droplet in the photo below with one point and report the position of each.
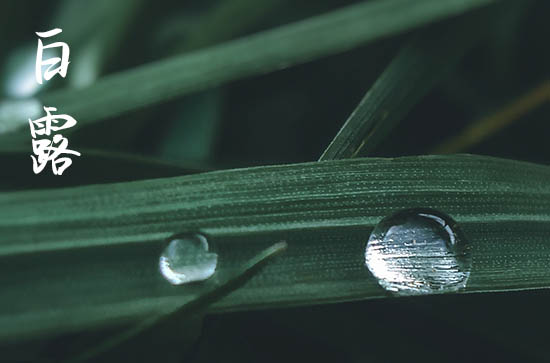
(187, 259)
(419, 251)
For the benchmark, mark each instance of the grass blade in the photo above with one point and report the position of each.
(267, 51)
(87, 256)
(487, 126)
(213, 290)
(408, 78)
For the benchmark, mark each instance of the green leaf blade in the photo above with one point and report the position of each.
(267, 51)
(416, 69)
(85, 256)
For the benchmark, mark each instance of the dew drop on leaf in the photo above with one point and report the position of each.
(419, 251)
(187, 259)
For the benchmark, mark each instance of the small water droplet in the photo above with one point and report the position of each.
(187, 259)
(419, 251)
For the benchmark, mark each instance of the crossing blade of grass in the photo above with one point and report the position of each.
(481, 129)
(88, 256)
(167, 323)
(415, 70)
(267, 51)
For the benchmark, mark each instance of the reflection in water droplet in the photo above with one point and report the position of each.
(187, 259)
(418, 251)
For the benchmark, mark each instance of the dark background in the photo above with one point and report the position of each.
(290, 116)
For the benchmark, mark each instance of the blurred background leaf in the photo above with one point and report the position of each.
(340, 30)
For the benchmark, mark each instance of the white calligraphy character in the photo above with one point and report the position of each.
(49, 123)
(52, 62)
(45, 150)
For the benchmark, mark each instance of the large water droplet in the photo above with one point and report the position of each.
(419, 251)
(187, 259)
